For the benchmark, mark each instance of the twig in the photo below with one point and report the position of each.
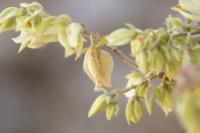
(124, 58)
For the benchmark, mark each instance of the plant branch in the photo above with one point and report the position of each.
(124, 58)
(118, 52)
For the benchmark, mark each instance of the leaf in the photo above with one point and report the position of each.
(120, 37)
(172, 67)
(142, 89)
(164, 98)
(142, 62)
(173, 23)
(99, 105)
(135, 78)
(79, 48)
(188, 13)
(112, 110)
(176, 54)
(74, 31)
(62, 37)
(32, 4)
(134, 111)
(192, 6)
(166, 52)
(136, 47)
(138, 111)
(149, 100)
(157, 61)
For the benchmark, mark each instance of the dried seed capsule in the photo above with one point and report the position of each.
(98, 65)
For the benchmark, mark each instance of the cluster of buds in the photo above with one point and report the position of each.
(39, 28)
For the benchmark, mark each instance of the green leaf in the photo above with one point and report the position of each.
(112, 110)
(157, 61)
(134, 111)
(149, 100)
(164, 99)
(136, 46)
(120, 37)
(135, 78)
(74, 31)
(172, 67)
(99, 105)
(173, 23)
(138, 111)
(142, 62)
(190, 12)
(62, 37)
(141, 90)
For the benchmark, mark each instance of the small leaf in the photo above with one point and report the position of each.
(135, 78)
(137, 110)
(62, 37)
(99, 105)
(120, 37)
(142, 62)
(134, 111)
(112, 110)
(24, 45)
(164, 98)
(149, 100)
(73, 31)
(173, 23)
(157, 61)
(136, 47)
(142, 89)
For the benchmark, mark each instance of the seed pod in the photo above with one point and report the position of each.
(112, 110)
(134, 111)
(98, 65)
(99, 105)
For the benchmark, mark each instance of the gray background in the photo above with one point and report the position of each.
(42, 92)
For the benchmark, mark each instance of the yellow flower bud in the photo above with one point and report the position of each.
(98, 65)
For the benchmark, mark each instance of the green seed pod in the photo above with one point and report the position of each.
(112, 110)
(134, 111)
(99, 105)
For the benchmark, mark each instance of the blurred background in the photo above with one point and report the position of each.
(42, 92)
